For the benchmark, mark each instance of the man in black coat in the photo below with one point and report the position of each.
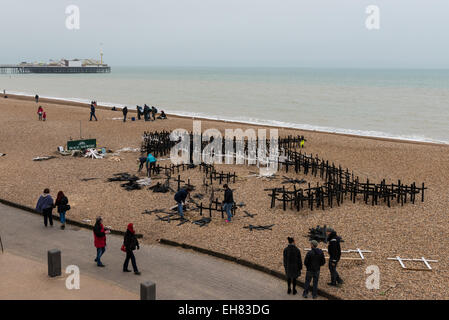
(292, 264)
(146, 112)
(228, 202)
(313, 262)
(125, 113)
(130, 243)
(334, 250)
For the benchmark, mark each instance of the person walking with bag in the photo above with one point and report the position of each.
(100, 240)
(130, 243)
(45, 206)
(62, 203)
(292, 264)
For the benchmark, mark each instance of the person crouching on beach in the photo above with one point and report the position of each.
(40, 111)
(151, 163)
(142, 161)
(180, 198)
(292, 264)
(62, 203)
(45, 206)
(162, 116)
(228, 202)
(130, 243)
(100, 240)
(44, 116)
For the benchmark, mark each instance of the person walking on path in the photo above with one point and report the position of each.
(125, 113)
(180, 198)
(313, 262)
(100, 240)
(40, 111)
(62, 203)
(292, 264)
(92, 111)
(130, 243)
(334, 251)
(228, 202)
(151, 163)
(45, 206)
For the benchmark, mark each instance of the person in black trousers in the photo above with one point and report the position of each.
(313, 262)
(92, 111)
(292, 264)
(130, 243)
(125, 112)
(45, 205)
(334, 250)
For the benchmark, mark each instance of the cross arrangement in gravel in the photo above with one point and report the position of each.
(247, 214)
(150, 212)
(251, 227)
(422, 259)
(172, 217)
(202, 222)
(359, 251)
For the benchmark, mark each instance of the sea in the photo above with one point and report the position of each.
(390, 103)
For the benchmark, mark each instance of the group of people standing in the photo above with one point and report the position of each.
(149, 114)
(313, 261)
(45, 206)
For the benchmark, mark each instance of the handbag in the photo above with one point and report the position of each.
(67, 207)
(123, 248)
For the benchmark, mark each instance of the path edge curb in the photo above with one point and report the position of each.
(243, 262)
(68, 221)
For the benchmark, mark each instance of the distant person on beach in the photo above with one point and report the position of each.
(62, 203)
(92, 111)
(40, 112)
(45, 206)
(153, 112)
(100, 240)
(292, 264)
(44, 116)
(313, 262)
(146, 112)
(130, 243)
(142, 161)
(228, 202)
(180, 198)
(36, 98)
(125, 113)
(151, 163)
(139, 112)
(163, 116)
(334, 251)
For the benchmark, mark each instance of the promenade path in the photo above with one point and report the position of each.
(178, 274)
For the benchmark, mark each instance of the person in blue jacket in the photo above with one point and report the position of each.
(45, 205)
(151, 163)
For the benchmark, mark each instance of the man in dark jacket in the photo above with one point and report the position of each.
(292, 264)
(130, 243)
(125, 113)
(334, 250)
(45, 206)
(146, 113)
(180, 198)
(139, 112)
(313, 262)
(228, 202)
(92, 111)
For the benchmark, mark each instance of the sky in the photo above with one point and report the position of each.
(224, 33)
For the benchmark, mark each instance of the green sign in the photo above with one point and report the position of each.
(81, 144)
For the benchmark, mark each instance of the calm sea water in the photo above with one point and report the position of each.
(405, 104)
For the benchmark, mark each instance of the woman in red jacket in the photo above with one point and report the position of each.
(100, 240)
(40, 111)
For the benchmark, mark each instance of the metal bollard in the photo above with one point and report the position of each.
(148, 291)
(54, 263)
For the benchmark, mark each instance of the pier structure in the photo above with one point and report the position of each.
(23, 69)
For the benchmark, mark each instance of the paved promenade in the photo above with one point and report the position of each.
(179, 274)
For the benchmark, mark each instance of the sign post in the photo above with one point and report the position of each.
(81, 144)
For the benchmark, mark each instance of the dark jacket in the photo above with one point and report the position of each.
(44, 202)
(125, 110)
(334, 248)
(228, 196)
(130, 241)
(292, 261)
(181, 195)
(92, 108)
(62, 204)
(314, 260)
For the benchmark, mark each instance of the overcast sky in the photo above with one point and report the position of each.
(303, 33)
